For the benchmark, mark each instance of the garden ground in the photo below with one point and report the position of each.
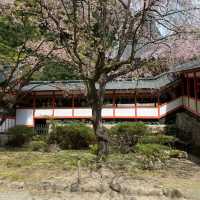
(30, 175)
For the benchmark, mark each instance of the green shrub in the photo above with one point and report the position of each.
(152, 156)
(126, 135)
(149, 150)
(93, 149)
(157, 139)
(43, 138)
(174, 153)
(130, 128)
(72, 136)
(19, 135)
(38, 145)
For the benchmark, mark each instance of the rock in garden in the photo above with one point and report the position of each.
(172, 193)
(115, 187)
(17, 185)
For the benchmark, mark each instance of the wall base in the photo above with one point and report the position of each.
(188, 128)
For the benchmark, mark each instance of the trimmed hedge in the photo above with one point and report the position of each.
(19, 135)
(72, 136)
(129, 128)
(150, 150)
(126, 135)
(157, 139)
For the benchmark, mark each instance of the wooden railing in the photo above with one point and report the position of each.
(8, 123)
(27, 116)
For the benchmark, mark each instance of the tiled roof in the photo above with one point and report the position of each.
(187, 66)
(157, 83)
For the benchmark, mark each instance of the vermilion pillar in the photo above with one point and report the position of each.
(188, 91)
(53, 102)
(158, 96)
(114, 105)
(34, 107)
(135, 98)
(195, 90)
(72, 105)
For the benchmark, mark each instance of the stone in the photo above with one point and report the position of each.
(75, 187)
(17, 185)
(93, 185)
(53, 148)
(158, 165)
(115, 187)
(172, 193)
(45, 185)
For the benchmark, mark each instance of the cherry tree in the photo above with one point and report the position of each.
(105, 39)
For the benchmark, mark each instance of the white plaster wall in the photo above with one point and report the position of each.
(24, 117)
(43, 112)
(124, 112)
(107, 112)
(192, 104)
(62, 112)
(170, 106)
(163, 109)
(84, 112)
(185, 101)
(198, 106)
(147, 112)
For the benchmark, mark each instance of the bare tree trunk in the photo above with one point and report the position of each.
(100, 131)
(96, 97)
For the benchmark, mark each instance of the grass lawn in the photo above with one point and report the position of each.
(17, 165)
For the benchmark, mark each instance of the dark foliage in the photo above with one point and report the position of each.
(72, 136)
(126, 135)
(19, 135)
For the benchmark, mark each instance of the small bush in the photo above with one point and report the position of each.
(38, 145)
(40, 137)
(150, 150)
(157, 139)
(174, 153)
(19, 135)
(93, 149)
(153, 156)
(126, 135)
(131, 128)
(72, 136)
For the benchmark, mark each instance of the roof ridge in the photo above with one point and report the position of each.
(81, 81)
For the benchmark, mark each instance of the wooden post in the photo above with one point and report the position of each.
(195, 90)
(182, 89)
(53, 103)
(72, 105)
(135, 98)
(114, 105)
(188, 91)
(34, 107)
(158, 104)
